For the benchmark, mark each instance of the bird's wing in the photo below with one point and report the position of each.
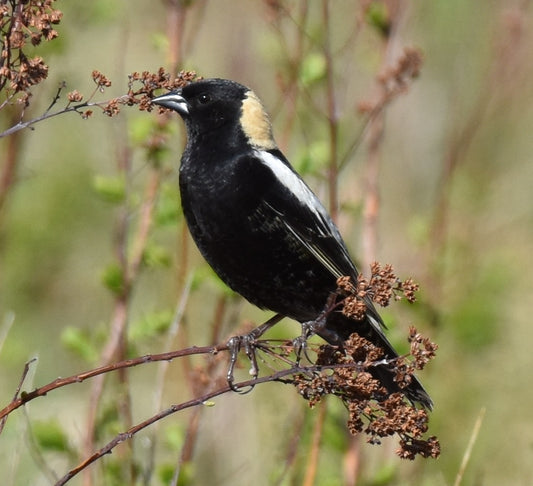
(290, 200)
(298, 209)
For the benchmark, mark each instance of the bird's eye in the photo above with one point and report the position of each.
(204, 99)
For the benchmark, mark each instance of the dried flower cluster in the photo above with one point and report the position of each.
(149, 82)
(24, 24)
(141, 87)
(372, 410)
(345, 373)
(395, 80)
(382, 286)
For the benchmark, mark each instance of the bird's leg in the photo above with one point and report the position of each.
(247, 342)
(309, 328)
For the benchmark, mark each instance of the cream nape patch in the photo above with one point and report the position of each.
(256, 123)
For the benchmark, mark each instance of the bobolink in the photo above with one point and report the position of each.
(257, 223)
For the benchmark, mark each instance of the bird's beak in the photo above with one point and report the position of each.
(173, 101)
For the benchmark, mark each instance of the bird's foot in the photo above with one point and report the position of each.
(235, 344)
(248, 343)
(310, 328)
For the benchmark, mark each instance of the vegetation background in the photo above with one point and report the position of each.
(450, 157)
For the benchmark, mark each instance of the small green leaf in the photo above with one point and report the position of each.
(314, 157)
(113, 278)
(174, 437)
(160, 41)
(109, 188)
(313, 69)
(140, 128)
(168, 209)
(156, 256)
(378, 17)
(79, 342)
(166, 474)
(151, 325)
(50, 436)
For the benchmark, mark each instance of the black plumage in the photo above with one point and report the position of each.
(255, 220)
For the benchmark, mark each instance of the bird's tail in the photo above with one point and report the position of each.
(339, 328)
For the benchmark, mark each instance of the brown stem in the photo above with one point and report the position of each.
(169, 411)
(176, 15)
(118, 325)
(333, 126)
(352, 461)
(291, 88)
(371, 201)
(42, 391)
(312, 460)
(11, 159)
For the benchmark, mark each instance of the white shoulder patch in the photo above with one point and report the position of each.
(292, 182)
(324, 225)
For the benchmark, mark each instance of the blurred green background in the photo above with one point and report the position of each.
(458, 144)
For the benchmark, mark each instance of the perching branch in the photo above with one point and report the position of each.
(344, 373)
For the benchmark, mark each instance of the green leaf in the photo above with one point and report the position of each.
(313, 158)
(378, 17)
(50, 435)
(151, 325)
(113, 278)
(166, 474)
(140, 128)
(156, 256)
(110, 188)
(203, 274)
(160, 41)
(79, 342)
(174, 437)
(313, 69)
(168, 209)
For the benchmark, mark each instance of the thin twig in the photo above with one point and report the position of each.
(470, 447)
(17, 391)
(278, 376)
(26, 397)
(45, 116)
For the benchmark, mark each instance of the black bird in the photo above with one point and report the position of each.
(257, 223)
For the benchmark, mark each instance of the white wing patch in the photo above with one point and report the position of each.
(292, 182)
(324, 227)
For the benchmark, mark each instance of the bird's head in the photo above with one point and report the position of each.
(211, 104)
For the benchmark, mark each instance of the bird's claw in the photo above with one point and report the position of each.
(300, 343)
(309, 329)
(248, 343)
(235, 344)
